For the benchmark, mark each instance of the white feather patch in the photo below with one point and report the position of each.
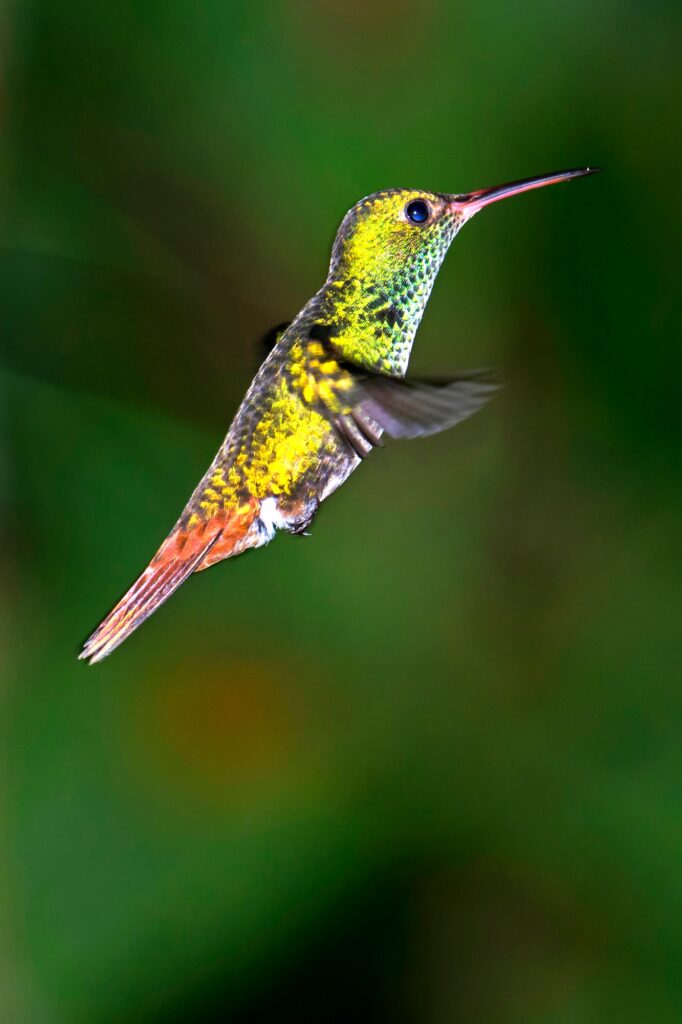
(271, 518)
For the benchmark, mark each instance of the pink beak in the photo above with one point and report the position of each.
(470, 203)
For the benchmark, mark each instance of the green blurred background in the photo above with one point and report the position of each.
(424, 767)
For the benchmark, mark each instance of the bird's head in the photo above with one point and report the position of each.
(397, 231)
(385, 258)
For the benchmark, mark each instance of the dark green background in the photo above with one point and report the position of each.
(424, 767)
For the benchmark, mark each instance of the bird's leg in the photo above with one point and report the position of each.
(300, 527)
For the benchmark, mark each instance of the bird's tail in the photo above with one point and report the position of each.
(182, 553)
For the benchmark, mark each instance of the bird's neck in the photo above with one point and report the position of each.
(372, 322)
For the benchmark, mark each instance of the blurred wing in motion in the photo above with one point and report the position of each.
(412, 408)
(270, 339)
(415, 408)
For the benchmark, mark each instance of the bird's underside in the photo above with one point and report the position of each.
(305, 424)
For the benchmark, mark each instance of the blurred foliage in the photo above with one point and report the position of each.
(424, 766)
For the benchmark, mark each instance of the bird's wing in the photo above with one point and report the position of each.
(270, 338)
(410, 408)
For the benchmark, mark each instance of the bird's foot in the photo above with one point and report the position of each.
(301, 527)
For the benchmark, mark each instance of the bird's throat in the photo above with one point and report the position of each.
(371, 323)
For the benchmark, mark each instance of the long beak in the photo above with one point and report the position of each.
(470, 203)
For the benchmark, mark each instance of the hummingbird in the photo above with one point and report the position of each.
(332, 386)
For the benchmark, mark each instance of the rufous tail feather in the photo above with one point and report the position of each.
(181, 554)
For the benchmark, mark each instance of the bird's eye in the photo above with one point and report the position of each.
(417, 211)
